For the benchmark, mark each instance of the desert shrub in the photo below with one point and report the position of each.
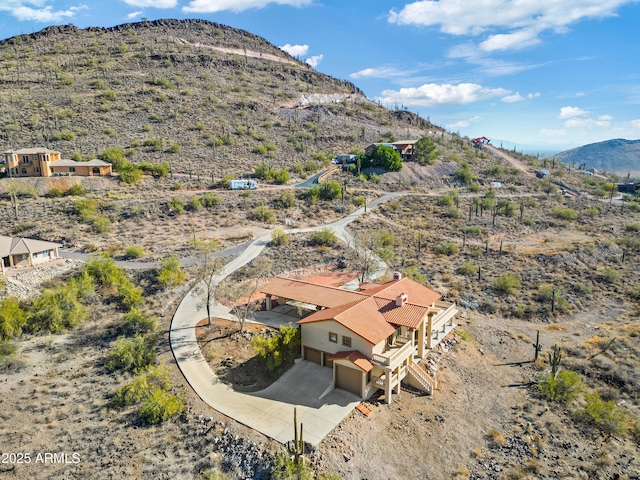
(130, 174)
(605, 415)
(55, 310)
(564, 213)
(281, 176)
(225, 182)
(55, 192)
(632, 227)
(312, 195)
(65, 134)
(265, 171)
(359, 201)
(262, 213)
(279, 237)
(527, 221)
(463, 174)
(287, 199)
(447, 248)
(210, 200)
(129, 296)
(507, 284)
(446, 201)
(194, 204)
(330, 190)
(413, 272)
(86, 208)
(286, 468)
(133, 251)
(76, 190)
(545, 294)
(160, 406)
(468, 268)
(474, 230)
(143, 385)
(324, 237)
(133, 354)
(137, 322)
(610, 275)
(277, 349)
(176, 205)
(170, 272)
(12, 318)
(562, 388)
(386, 157)
(105, 272)
(375, 178)
(453, 212)
(100, 224)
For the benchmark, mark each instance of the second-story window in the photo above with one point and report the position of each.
(333, 337)
(346, 341)
(25, 159)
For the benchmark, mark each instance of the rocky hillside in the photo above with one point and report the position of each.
(618, 156)
(208, 98)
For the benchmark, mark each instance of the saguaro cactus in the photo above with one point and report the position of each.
(537, 347)
(555, 359)
(297, 448)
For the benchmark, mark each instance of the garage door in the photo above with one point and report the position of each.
(313, 355)
(349, 379)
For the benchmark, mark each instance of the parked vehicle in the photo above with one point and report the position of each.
(243, 184)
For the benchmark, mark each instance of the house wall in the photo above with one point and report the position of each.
(82, 171)
(44, 257)
(316, 335)
(36, 165)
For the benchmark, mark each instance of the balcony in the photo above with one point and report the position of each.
(393, 356)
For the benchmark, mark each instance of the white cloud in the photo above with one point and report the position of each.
(210, 6)
(295, 50)
(517, 24)
(462, 123)
(42, 13)
(489, 66)
(432, 94)
(635, 124)
(382, 72)
(152, 3)
(572, 112)
(516, 97)
(134, 14)
(533, 95)
(315, 60)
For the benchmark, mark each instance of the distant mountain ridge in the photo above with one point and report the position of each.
(618, 156)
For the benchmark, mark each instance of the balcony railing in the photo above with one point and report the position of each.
(394, 355)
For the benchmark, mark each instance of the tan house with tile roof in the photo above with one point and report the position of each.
(373, 338)
(42, 162)
(25, 252)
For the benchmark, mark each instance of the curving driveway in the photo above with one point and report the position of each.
(306, 386)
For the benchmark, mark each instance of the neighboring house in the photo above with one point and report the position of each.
(373, 338)
(42, 162)
(24, 252)
(403, 147)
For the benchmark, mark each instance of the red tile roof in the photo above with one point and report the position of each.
(358, 359)
(371, 313)
(312, 293)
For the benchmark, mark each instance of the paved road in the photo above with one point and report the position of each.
(319, 407)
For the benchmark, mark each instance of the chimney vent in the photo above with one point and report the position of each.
(397, 276)
(401, 299)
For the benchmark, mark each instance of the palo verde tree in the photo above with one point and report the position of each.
(207, 268)
(368, 249)
(240, 296)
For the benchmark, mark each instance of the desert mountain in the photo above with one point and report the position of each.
(618, 156)
(206, 97)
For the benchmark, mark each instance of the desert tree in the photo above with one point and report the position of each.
(239, 296)
(208, 265)
(368, 249)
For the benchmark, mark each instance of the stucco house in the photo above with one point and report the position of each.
(25, 252)
(373, 338)
(42, 162)
(403, 147)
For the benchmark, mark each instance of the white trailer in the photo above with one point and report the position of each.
(243, 184)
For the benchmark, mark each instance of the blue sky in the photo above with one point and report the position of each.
(543, 75)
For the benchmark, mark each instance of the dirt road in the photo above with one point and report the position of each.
(513, 161)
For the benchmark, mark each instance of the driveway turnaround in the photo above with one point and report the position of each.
(306, 386)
